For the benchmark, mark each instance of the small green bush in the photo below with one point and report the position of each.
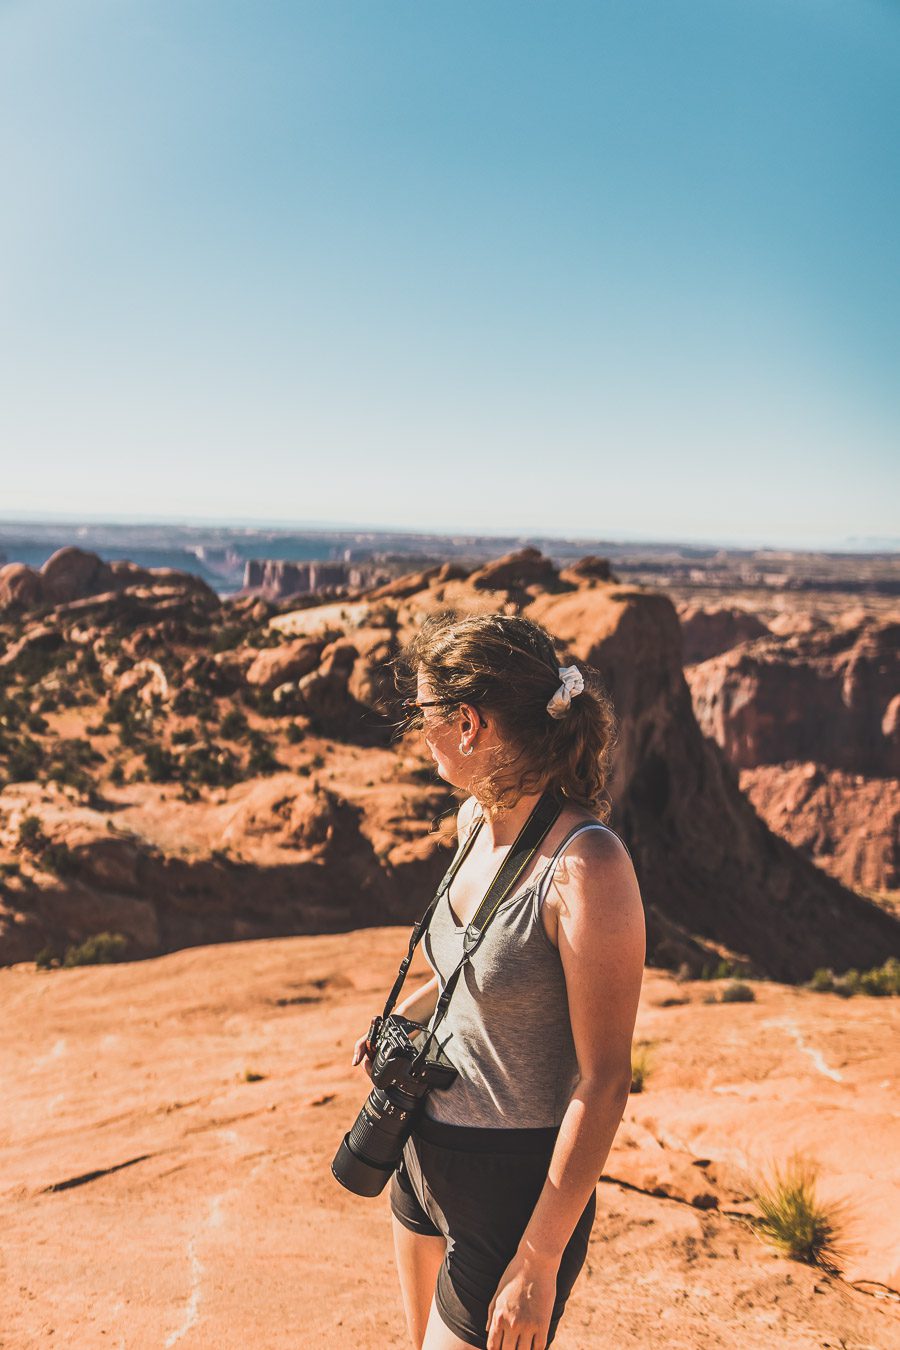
(822, 981)
(31, 834)
(880, 982)
(737, 992)
(294, 733)
(792, 1217)
(162, 766)
(234, 725)
(641, 1064)
(99, 950)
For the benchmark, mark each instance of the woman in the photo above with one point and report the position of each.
(495, 1196)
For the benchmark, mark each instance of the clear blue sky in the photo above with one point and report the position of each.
(608, 269)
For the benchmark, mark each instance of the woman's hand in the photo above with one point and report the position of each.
(362, 1052)
(521, 1308)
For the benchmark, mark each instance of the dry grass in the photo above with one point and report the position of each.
(641, 1064)
(793, 1219)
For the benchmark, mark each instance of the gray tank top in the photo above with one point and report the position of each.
(508, 1019)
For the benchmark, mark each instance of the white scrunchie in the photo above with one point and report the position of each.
(571, 687)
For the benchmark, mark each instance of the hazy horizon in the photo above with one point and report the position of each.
(875, 544)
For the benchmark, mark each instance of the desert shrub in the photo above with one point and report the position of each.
(24, 761)
(294, 733)
(879, 981)
(229, 636)
(117, 775)
(36, 723)
(10, 869)
(792, 1217)
(31, 834)
(737, 992)
(11, 712)
(59, 859)
(641, 1064)
(262, 758)
(46, 959)
(68, 763)
(211, 765)
(822, 981)
(99, 950)
(234, 725)
(185, 701)
(162, 766)
(882, 980)
(33, 664)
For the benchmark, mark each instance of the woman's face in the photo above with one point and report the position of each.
(443, 738)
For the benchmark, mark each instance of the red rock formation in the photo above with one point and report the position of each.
(20, 587)
(516, 571)
(821, 696)
(709, 632)
(278, 665)
(73, 576)
(704, 858)
(847, 824)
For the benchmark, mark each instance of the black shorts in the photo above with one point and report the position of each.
(477, 1188)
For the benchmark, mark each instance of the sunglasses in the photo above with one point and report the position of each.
(410, 706)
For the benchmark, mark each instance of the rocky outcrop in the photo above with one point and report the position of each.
(709, 632)
(823, 696)
(589, 568)
(20, 587)
(278, 665)
(845, 823)
(715, 879)
(517, 572)
(705, 860)
(329, 878)
(75, 575)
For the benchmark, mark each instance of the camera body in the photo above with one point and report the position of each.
(403, 1077)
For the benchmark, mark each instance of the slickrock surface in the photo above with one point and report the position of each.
(151, 1197)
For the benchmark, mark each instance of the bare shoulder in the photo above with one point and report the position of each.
(594, 877)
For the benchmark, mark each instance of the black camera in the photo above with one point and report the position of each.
(403, 1076)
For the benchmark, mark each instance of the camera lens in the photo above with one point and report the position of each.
(371, 1150)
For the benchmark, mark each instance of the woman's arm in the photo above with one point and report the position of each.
(420, 1004)
(602, 945)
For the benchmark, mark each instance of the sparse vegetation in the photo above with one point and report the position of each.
(641, 1064)
(881, 981)
(738, 992)
(99, 950)
(234, 725)
(793, 1218)
(31, 834)
(162, 766)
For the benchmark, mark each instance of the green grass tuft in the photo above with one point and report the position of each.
(793, 1219)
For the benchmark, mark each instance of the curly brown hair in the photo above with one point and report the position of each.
(508, 666)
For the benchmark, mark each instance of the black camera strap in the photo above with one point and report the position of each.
(517, 859)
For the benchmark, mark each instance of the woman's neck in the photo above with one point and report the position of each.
(502, 827)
